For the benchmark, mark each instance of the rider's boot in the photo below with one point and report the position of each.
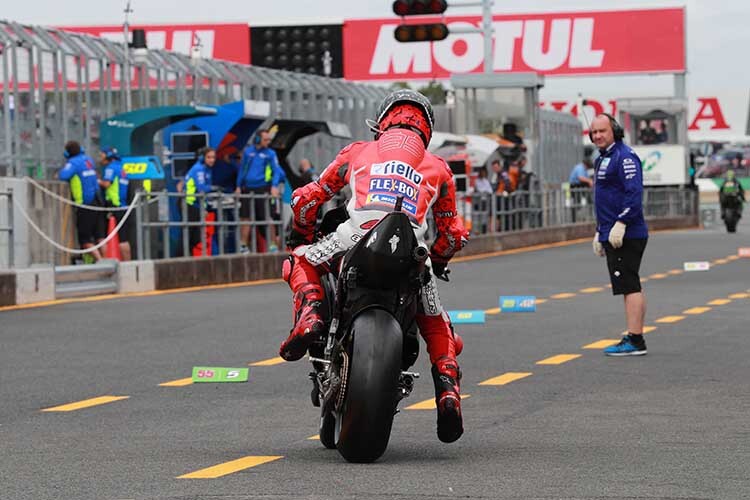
(446, 375)
(305, 283)
(308, 324)
(443, 346)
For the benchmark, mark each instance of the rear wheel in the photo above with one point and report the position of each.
(372, 388)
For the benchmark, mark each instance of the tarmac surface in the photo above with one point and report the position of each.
(674, 424)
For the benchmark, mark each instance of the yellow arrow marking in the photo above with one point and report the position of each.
(601, 344)
(719, 302)
(429, 404)
(592, 289)
(696, 310)
(564, 295)
(675, 272)
(494, 310)
(86, 403)
(177, 383)
(269, 362)
(658, 276)
(229, 467)
(558, 360)
(670, 319)
(739, 296)
(505, 378)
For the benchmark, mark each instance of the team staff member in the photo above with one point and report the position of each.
(80, 171)
(115, 184)
(198, 180)
(621, 230)
(259, 173)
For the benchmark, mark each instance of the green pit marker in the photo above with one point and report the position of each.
(219, 374)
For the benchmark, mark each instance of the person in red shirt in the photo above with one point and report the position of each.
(396, 163)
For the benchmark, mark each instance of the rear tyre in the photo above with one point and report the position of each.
(371, 392)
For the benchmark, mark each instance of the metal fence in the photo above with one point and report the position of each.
(56, 86)
(6, 228)
(483, 213)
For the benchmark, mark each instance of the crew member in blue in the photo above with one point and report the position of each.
(115, 184)
(198, 180)
(80, 171)
(621, 230)
(259, 173)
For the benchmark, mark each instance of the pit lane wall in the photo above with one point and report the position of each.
(33, 285)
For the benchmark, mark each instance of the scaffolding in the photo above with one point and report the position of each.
(56, 86)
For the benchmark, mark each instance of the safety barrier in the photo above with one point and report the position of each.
(86, 280)
(6, 228)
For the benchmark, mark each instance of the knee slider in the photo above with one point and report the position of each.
(286, 268)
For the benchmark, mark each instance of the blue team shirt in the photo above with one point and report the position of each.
(80, 171)
(114, 173)
(259, 168)
(618, 192)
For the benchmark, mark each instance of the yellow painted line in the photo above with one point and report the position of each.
(670, 319)
(733, 257)
(643, 280)
(646, 329)
(658, 276)
(541, 301)
(505, 378)
(269, 362)
(229, 467)
(719, 302)
(601, 344)
(314, 438)
(675, 272)
(696, 310)
(513, 251)
(177, 383)
(721, 261)
(429, 404)
(564, 295)
(558, 360)
(139, 294)
(739, 296)
(86, 403)
(494, 310)
(592, 289)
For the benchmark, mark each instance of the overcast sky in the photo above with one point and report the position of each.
(718, 30)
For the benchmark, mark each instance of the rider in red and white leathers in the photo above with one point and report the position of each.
(396, 164)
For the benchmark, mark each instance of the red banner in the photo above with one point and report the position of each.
(228, 42)
(575, 43)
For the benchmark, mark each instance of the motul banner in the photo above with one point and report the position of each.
(228, 42)
(575, 43)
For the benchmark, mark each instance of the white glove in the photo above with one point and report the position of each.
(616, 234)
(598, 248)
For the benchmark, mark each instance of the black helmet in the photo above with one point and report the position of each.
(407, 96)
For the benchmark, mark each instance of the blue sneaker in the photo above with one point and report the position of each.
(627, 347)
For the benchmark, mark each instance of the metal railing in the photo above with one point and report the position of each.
(159, 236)
(7, 198)
(482, 213)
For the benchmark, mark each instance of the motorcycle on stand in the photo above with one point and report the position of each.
(361, 362)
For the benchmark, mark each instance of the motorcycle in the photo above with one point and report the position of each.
(731, 210)
(361, 362)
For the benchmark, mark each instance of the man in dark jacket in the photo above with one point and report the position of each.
(621, 230)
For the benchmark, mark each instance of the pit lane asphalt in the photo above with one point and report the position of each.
(672, 424)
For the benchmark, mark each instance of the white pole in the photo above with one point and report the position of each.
(126, 66)
(488, 35)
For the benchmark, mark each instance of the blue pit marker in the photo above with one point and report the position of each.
(467, 317)
(517, 303)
